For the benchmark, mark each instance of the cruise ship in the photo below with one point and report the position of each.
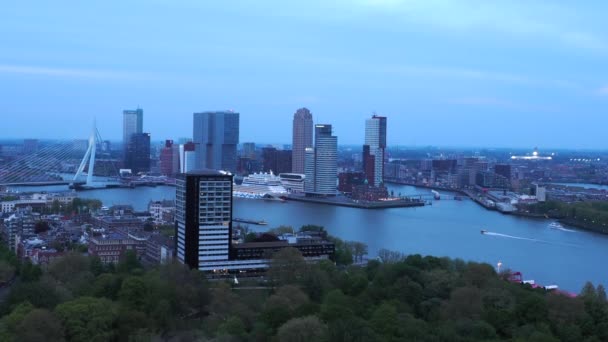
(259, 186)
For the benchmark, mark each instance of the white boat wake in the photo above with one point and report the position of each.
(530, 239)
(558, 226)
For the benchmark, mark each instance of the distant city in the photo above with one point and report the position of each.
(213, 168)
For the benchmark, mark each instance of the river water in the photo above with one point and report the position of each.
(563, 256)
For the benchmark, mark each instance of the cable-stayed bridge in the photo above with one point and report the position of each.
(61, 163)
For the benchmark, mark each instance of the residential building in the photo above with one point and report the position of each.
(217, 136)
(302, 138)
(374, 149)
(347, 180)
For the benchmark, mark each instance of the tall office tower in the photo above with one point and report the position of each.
(302, 138)
(374, 150)
(217, 135)
(321, 163)
(248, 150)
(169, 159)
(132, 123)
(137, 157)
(203, 217)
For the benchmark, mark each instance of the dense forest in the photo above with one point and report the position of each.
(394, 298)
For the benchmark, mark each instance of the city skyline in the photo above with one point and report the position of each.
(438, 70)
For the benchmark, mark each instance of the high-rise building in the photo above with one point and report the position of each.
(132, 123)
(137, 157)
(321, 165)
(169, 159)
(203, 218)
(217, 136)
(374, 150)
(187, 157)
(302, 138)
(277, 161)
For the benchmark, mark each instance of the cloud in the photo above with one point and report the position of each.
(603, 91)
(544, 21)
(501, 103)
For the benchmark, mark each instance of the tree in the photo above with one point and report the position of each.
(133, 293)
(390, 257)
(40, 325)
(29, 272)
(250, 237)
(287, 266)
(7, 272)
(128, 262)
(88, 319)
(55, 207)
(302, 330)
(233, 326)
(9, 323)
(359, 250)
(40, 294)
(384, 321)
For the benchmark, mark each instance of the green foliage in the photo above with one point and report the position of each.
(40, 325)
(87, 318)
(303, 330)
(397, 298)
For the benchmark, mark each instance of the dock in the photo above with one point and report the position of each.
(256, 222)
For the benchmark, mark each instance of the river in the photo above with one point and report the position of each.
(563, 256)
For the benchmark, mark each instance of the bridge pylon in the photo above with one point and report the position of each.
(89, 157)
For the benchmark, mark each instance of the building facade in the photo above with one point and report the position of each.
(137, 157)
(132, 123)
(216, 135)
(277, 161)
(374, 150)
(302, 138)
(169, 159)
(203, 217)
(321, 165)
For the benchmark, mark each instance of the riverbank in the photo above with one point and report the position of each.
(346, 202)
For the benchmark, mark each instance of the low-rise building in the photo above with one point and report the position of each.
(109, 249)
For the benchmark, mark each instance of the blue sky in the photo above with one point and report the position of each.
(453, 73)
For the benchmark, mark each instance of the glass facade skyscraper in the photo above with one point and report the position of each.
(321, 163)
(217, 137)
(132, 123)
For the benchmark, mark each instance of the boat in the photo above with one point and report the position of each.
(483, 231)
(259, 186)
(458, 198)
(259, 223)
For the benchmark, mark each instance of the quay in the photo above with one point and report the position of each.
(347, 202)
